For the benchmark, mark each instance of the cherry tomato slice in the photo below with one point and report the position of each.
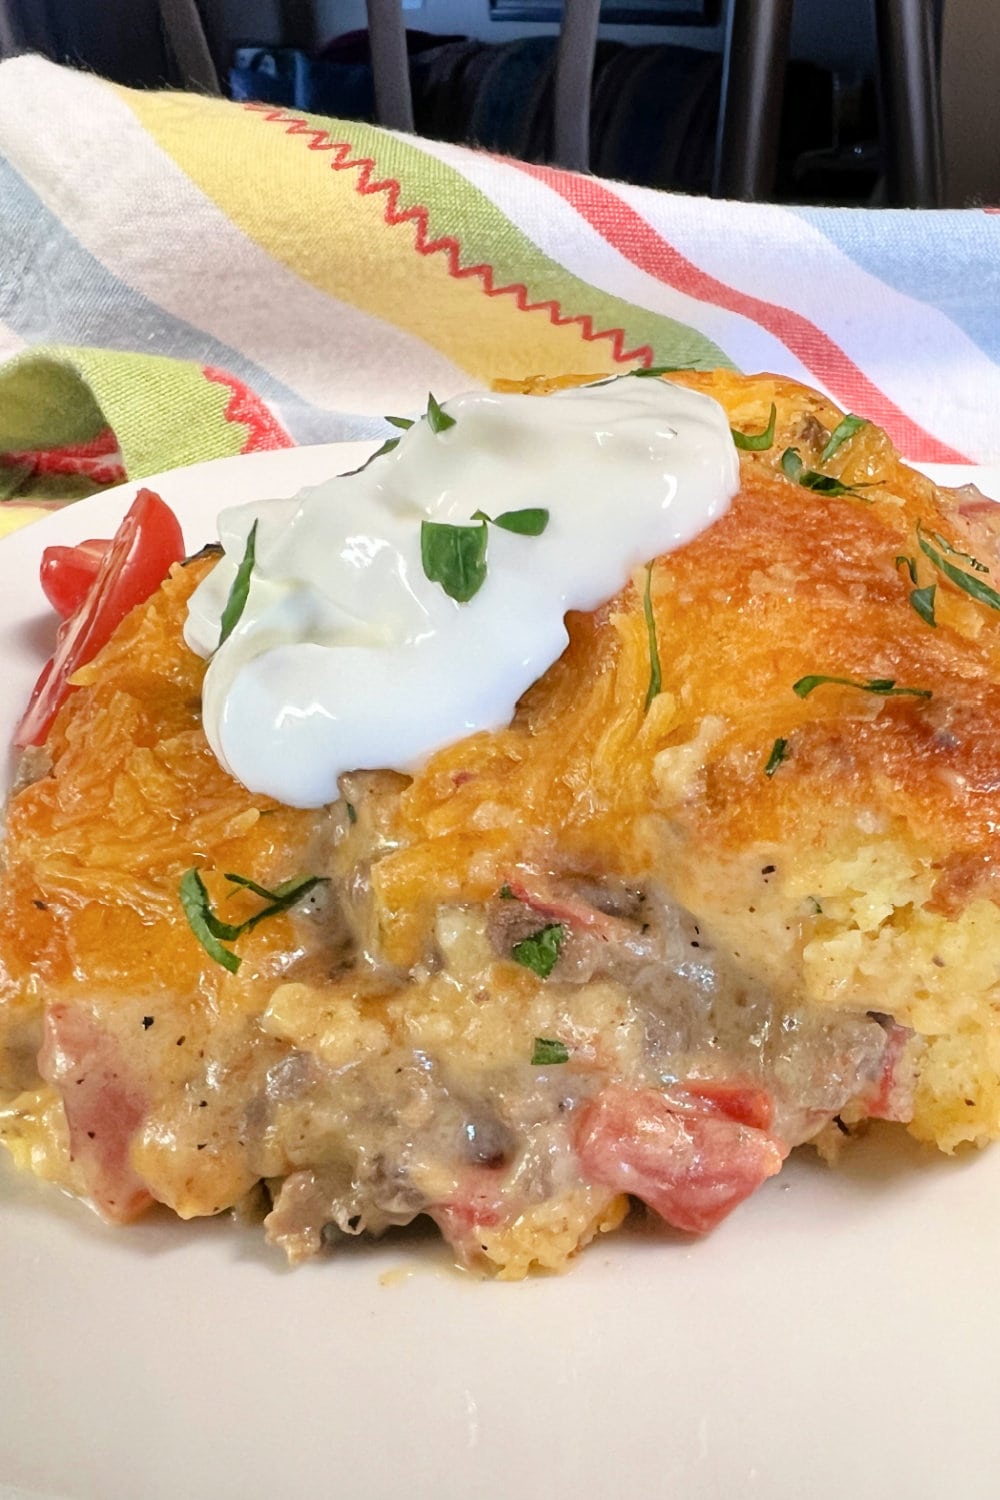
(136, 562)
(67, 573)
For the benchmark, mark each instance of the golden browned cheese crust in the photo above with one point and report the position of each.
(857, 871)
(884, 812)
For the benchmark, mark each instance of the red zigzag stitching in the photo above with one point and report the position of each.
(419, 216)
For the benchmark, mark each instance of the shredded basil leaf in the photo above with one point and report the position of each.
(236, 603)
(547, 1051)
(386, 447)
(974, 587)
(843, 430)
(540, 951)
(531, 521)
(922, 601)
(212, 932)
(823, 484)
(655, 676)
(757, 442)
(454, 557)
(910, 564)
(194, 901)
(946, 546)
(284, 896)
(885, 687)
(404, 422)
(653, 372)
(779, 752)
(438, 419)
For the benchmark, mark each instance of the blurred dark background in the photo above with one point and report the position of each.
(483, 71)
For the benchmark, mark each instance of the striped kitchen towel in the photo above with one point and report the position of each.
(184, 278)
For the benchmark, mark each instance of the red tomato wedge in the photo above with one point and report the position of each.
(67, 573)
(137, 560)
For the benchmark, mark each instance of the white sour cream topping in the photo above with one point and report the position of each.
(347, 657)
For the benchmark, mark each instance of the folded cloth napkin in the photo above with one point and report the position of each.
(185, 278)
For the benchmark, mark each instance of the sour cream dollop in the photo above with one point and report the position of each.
(348, 657)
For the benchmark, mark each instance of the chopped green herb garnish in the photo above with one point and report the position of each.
(548, 1051)
(284, 896)
(655, 676)
(194, 900)
(212, 933)
(815, 908)
(922, 600)
(454, 557)
(756, 442)
(885, 687)
(506, 894)
(844, 430)
(946, 546)
(387, 447)
(404, 422)
(779, 752)
(974, 587)
(540, 951)
(236, 603)
(823, 484)
(653, 372)
(352, 812)
(531, 521)
(438, 419)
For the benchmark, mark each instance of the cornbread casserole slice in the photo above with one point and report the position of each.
(637, 943)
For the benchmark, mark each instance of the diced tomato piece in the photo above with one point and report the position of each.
(136, 562)
(690, 1168)
(892, 1097)
(744, 1103)
(67, 573)
(477, 1204)
(103, 1108)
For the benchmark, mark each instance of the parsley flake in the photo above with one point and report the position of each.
(240, 589)
(823, 484)
(922, 600)
(885, 687)
(757, 442)
(387, 447)
(655, 675)
(540, 952)
(946, 546)
(779, 752)
(531, 521)
(840, 434)
(454, 557)
(403, 422)
(212, 933)
(974, 587)
(438, 419)
(548, 1050)
(653, 372)
(910, 564)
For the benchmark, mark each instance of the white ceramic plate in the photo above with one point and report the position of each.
(837, 1337)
